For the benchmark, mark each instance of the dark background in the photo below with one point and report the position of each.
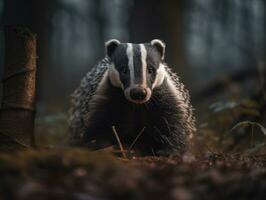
(206, 39)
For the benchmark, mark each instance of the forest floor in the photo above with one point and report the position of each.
(82, 175)
(227, 161)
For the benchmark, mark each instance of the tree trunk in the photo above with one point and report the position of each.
(17, 110)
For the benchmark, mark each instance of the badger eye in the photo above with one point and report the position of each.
(151, 70)
(124, 70)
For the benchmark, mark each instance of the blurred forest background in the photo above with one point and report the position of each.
(212, 45)
(218, 50)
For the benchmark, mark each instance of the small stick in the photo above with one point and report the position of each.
(134, 142)
(119, 142)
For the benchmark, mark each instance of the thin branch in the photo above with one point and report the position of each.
(119, 142)
(136, 139)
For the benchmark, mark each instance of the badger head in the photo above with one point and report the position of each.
(136, 68)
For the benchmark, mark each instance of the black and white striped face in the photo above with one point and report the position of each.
(137, 68)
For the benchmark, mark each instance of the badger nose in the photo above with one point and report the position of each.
(138, 93)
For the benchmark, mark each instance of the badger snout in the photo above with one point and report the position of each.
(138, 94)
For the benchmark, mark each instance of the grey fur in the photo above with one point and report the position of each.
(82, 96)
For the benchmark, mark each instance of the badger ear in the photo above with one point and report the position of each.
(110, 46)
(160, 46)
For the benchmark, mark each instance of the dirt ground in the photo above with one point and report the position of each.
(79, 174)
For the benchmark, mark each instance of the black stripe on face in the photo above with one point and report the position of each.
(138, 72)
(153, 62)
(120, 60)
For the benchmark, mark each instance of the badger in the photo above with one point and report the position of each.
(132, 89)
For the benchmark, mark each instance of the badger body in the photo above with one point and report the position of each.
(133, 90)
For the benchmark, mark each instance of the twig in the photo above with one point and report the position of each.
(119, 142)
(136, 139)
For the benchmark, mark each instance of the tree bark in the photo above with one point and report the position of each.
(18, 104)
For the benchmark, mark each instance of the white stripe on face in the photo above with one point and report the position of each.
(130, 55)
(143, 53)
(159, 76)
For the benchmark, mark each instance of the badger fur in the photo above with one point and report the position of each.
(132, 89)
